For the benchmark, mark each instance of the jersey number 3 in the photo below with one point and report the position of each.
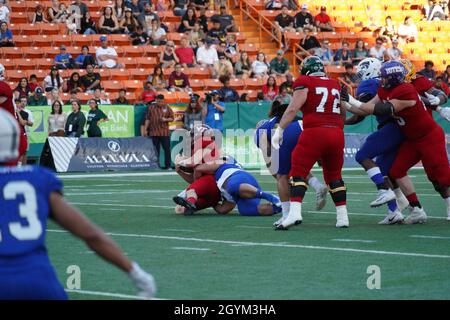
(324, 92)
(27, 210)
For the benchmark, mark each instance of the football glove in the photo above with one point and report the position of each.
(433, 100)
(344, 94)
(444, 112)
(143, 281)
(277, 138)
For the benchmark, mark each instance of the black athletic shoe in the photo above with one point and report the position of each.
(190, 207)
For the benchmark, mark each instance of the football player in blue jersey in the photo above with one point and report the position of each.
(239, 188)
(30, 195)
(279, 161)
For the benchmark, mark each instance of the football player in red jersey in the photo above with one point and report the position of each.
(6, 94)
(425, 139)
(318, 97)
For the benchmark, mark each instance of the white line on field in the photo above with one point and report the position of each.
(353, 240)
(110, 209)
(100, 185)
(121, 205)
(276, 245)
(366, 214)
(253, 227)
(110, 200)
(179, 230)
(191, 249)
(132, 191)
(109, 294)
(429, 237)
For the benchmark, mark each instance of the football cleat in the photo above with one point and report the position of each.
(392, 217)
(342, 220)
(384, 196)
(190, 207)
(448, 213)
(416, 215)
(278, 222)
(321, 198)
(293, 218)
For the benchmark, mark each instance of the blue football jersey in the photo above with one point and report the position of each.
(24, 209)
(231, 163)
(368, 89)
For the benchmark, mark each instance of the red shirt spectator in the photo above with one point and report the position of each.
(322, 17)
(186, 56)
(149, 94)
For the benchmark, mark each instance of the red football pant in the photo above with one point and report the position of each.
(208, 195)
(431, 150)
(326, 144)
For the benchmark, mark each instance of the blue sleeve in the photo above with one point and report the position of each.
(50, 181)
(58, 58)
(222, 105)
(9, 34)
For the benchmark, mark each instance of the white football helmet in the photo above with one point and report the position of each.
(2, 72)
(368, 68)
(9, 137)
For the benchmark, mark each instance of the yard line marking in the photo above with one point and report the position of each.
(191, 249)
(109, 294)
(121, 205)
(253, 227)
(179, 230)
(365, 214)
(99, 185)
(132, 191)
(429, 237)
(110, 200)
(353, 240)
(276, 245)
(110, 209)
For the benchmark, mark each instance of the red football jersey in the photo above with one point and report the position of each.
(422, 85)
(322, 106)
(415, 122)
(6, 91)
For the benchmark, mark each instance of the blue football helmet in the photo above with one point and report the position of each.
(392, 74)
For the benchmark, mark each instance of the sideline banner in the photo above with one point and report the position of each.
(102, 154)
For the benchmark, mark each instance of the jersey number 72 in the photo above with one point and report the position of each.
(325, 92)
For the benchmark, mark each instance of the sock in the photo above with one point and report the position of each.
(377, 178)
(267, 196)
(315, 183)
(285, 205)
(413, 201)
(447, 202)
(295, 207)
(191, 200)
(392, 205)
(341, 209)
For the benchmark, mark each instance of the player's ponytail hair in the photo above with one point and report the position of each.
(277, 109)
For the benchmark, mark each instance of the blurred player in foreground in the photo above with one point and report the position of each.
(28, 197)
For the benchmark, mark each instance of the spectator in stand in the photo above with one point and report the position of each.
(207, 55)
(149, 94)
(260, 67)
(441, 85)
(91, 80)
(53, 80)
(223, 67)
(101, 97)
(244, 98)
(4, 12)
(279, 66)
(389, 30)
(122, 99)
(232, 49)
(139, 37)
(270, 89)
(54, 96)
(446, 75)
(284, 97)
(56, 121)
(138, 10)
(378, 50)
(73, 96)
(324, 52)
(188, 21)
(94, 117)
(243, 67)
(38, 15)
(157, 34)
(156, 127)
(343, 55)
(119, 9)
(214, 110)
(194, 113)
(227, 94)
(407, 31)
(350, 76)
(216, 33)
(84, 59)
(63, 60)
(309, 41)
(150, 14)
(33, 83)
(179, 7)
(129, 23)
(195, 35)
(81, 6)
(433, 11)
(277, 4)
(6, 36)
(179, 81)
(74, 83)
(23, 88)
(157, 80)
(38, 99)
(288, 84)
(428, 71)
(394, 53)
(87, 25)
(360, 52)
(203, 19)
(303, 19)
(185, 54)
(106, 56)
(227, 23)
(75, 121)
(53, 12)
(168, 58)
(323, 21)
(199, 4)
(284, 22)
(108, 24)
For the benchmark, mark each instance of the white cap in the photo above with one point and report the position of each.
(9, 137)
(304, 6)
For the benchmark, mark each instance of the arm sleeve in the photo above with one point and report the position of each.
(300, 83)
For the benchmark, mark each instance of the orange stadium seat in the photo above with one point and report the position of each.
(112, 86)
(119, 39)
(198, 73)
(128, 62)
(23, 41)
(25, 64)
(211, 84)
(10, 64)
(43, 63)
(118, 74)
(133, 85)
(197, 84)
(19, 16)
(58, 40)
(130, 51)
(11, 52)
(139, 74)
(81, 39)
(183, 97)
(253, 83)
(146, 62)
(171, 97)
(15, 75)
(84, 97)
(237, 84)
(41, 40)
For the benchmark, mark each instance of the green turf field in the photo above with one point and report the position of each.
(208, 256)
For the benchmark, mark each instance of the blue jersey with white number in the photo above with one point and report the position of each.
(24, 209)
(231, 163)
(369, 89)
